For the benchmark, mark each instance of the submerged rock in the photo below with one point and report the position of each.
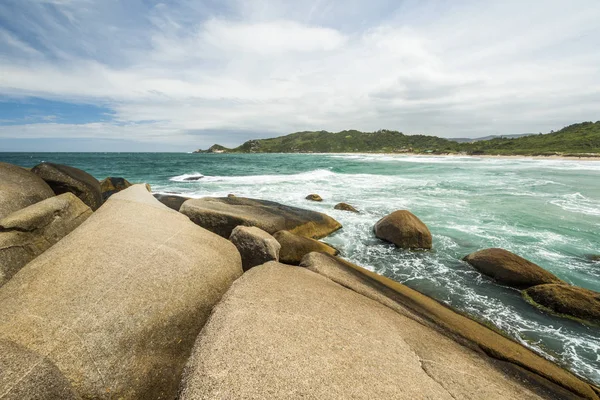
(171, 201)
(112, 185)
(294, 247)
(63, 179)
(20, 188)
(255, 246)
(580, 303)
(509, 269)
(345, 207)
(404, 229)
(314, 197)
(193, 178)
(117, 304)
(221, 215)
(27, 233)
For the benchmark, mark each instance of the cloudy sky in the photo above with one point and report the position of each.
(148, 75)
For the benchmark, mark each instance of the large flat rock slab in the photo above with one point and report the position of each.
(117, 304)
(287, 332)
(20, 188)
(222, 214)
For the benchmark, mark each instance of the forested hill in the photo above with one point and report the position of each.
(583, 138)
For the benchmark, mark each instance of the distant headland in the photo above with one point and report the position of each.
(577, 140)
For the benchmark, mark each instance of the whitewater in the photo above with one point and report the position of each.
(547, 211)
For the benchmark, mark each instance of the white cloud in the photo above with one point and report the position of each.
(484, 67)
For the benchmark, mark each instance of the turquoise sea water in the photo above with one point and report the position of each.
(547, 211)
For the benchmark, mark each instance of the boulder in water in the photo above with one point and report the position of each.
(345, 207)
(404, 229)
(294, 247)
(20, 188)
(255, 246)
(117, 304)
(567, 300)
(172, 201)
(63, 179)
(112, 185)
(221, 215)
(27, 233)
(314, 197)
(510, 269)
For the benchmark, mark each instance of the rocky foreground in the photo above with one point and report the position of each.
(107, 293)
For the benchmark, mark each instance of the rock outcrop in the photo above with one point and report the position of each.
(345, 207)
(221, 215)
(27, 233)
(172, 201)
(255, 246)
(510, 269)
(288, 332)
(404, 229)
(63, 179)
(117, 304)
(112, 185)
(20, 188)
(567, 300)
(294, 247)
(314, 197)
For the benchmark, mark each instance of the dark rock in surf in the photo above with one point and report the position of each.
(193, 178)
(314, 197)
(404, 229)
(509, 269)
(572, 301)
(345, 207)
(64, 179)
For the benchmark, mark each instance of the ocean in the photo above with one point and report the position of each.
(546, 210)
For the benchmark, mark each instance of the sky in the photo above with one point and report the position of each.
(144, 75)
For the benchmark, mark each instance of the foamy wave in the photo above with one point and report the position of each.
(577, 203)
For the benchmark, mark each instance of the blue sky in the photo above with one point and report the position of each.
(143, 75)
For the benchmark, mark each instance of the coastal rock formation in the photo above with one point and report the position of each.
(117, 304)
(314, 197)
(112, 185)
(580, 303)
(221, 215)
(509, 269)
(309, 337)
(27, 233)
(44, 382)
(20, 188)
(294, 247)
(255, 246)
(345, 207)
(63, 179)
(404, 229)
(172, 201)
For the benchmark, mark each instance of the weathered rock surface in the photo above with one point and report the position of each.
(580, 303)
(287, 332)
(345, 207)
(112, 185)
(510, 269)
(314, 197)
(20, 188)
(537, 373)
(255, 246)
(44, 382)
(172, 201)
(404, 229)
(221, 215)
(117, 304)
(63, 179)
(294, 247)
(27, 233)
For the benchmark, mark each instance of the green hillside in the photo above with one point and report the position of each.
(583, 138)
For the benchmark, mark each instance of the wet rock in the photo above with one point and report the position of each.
(255, 246)
(112, 185)
(345, 207)
(27, 233)
(221, 215)
(193, 178)
(20, 188)
(294, 247)
(404, 229)
(314, 197)
(172, 201)
(64, 179)
(510, 269)
(572, 301)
